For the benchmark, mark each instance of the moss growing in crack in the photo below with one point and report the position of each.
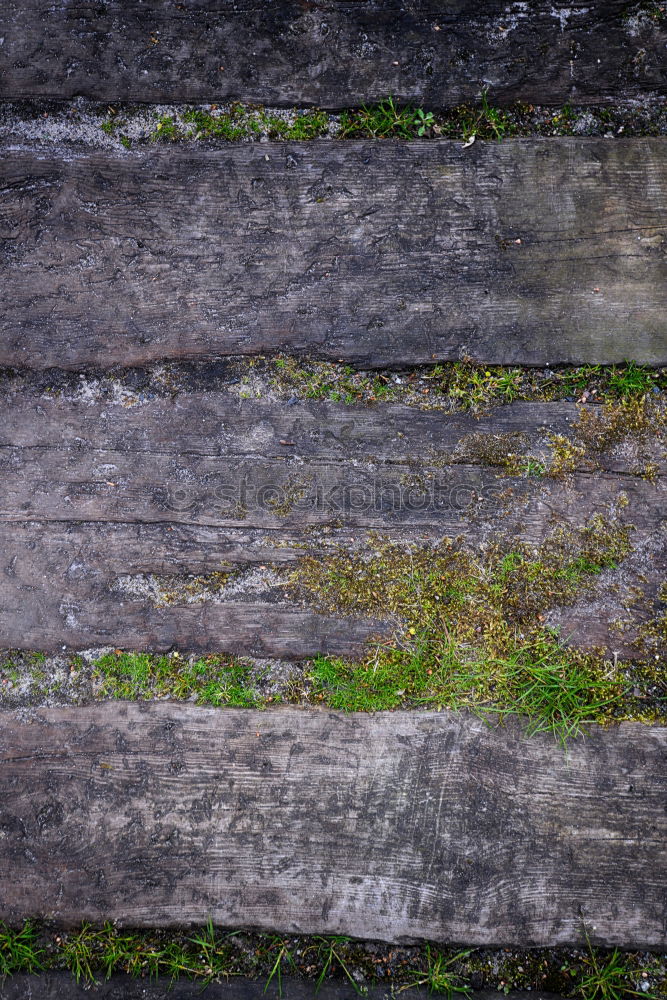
(240, 122)
(504, 451)
(565, 455)
(210, 680)
(653, 639)
(463, 385)
(636, 418)
(639, 422)
(469, 627)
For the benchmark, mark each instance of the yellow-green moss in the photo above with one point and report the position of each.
(469, 626)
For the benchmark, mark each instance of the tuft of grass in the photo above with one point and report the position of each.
(20, 950)
(284, 958)
(329, 957)
(629, 380)
(90, 952)
(211, 680)
(607, 977)
(385, 121)
(438, 974)
(208, 954)
(470, 629)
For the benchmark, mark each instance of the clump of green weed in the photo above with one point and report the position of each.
(607, 977)
(387, 120)
(210, 680)
(166, 130)
(469, 627)
(20, 950)
(384, 121)
(439, 975)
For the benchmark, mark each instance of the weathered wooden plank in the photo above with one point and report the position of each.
(62, 580)
(381, 253)
(213, 425)
(424, 826)
(94, 496)
(61, 986)
(330, 52)
(217, 460)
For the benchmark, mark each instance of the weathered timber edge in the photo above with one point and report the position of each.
(61, 986)
(395, 826)
(331, 53)
(530, 252)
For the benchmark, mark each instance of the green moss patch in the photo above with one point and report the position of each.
(470, 627)
(463, 385)
(388, 119)
(211, 680)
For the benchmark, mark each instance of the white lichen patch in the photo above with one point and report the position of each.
(246, 584)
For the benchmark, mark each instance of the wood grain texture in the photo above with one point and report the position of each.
(531, 251)
(331, 53)
(61, 986)
(395, 826)
(96, 496)
(189, 426)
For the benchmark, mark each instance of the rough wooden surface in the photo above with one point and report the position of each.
(94, 496)
(394, 826)
(188, 426)
(529, 251)
(331, 53)
(61, 986)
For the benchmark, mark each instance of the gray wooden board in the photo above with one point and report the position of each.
(397, 826)
(61, 986)
(379, 253)
(331, 53)
(96, 495)
(189, 426)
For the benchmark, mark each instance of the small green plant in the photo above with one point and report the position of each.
(284, 957)
(328, 954)
(424, 121)
(20, 950)
(439, 976)
(530, 466)
(166, 130)
(496, 120)
(607, 978)
(384, 121)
